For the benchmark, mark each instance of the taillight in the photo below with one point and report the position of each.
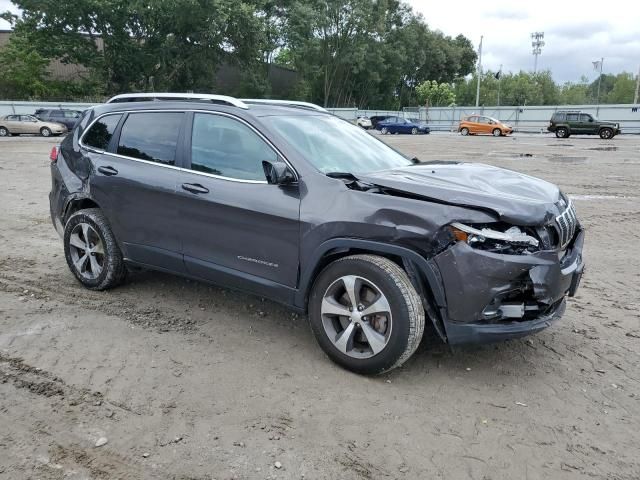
(53, 156)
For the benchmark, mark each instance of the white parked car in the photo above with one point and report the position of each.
(364, 122)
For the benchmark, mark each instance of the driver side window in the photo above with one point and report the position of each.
(226, 147)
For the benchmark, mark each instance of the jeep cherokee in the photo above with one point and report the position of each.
(289, 202)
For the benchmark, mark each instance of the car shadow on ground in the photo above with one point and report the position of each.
(202, 303)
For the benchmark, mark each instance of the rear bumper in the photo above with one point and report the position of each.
(492, 297)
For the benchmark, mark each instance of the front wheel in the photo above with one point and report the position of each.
(464, 131)
(414, 131)
(4, 132)
(384, 130)
(91, 250)
(606, 134)
(45, 132)
(497, 132)
(366, 314)
(562, 133)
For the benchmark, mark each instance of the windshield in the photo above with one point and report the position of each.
(333, 145)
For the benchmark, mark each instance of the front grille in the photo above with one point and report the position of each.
(566, 224)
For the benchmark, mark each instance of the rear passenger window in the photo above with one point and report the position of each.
(572, 117)
(151, 136)
(226, 147)
(100, 133)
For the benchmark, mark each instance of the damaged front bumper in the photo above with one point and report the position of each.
(492, 297)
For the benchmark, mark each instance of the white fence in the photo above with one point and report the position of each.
(523, 119)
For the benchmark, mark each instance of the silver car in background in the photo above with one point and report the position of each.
(25, 124)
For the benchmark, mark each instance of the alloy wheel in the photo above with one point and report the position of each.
(87, 251)
(356, 317)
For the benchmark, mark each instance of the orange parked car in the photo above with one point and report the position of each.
(479, 124)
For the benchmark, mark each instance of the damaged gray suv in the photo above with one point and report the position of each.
(283, 200)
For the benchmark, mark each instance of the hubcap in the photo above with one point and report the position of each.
(45, 132)
(356, 317)
(3, 132)
(87, 251)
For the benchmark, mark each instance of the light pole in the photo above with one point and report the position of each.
(635, 97)
(499, 77)
(598, 66)
(479, 72)
(537, 43)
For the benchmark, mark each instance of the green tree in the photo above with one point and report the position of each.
(434, 94)
(23, 74)
(623, 90)
(141, 44)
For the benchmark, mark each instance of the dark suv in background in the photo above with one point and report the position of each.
(68, 118)
(566, 123)
(251, 195)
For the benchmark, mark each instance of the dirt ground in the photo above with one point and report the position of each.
(190, 381)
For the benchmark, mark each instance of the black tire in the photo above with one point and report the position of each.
(562, 132)
(464, 131)
(407, 314)
(497, 132)
(4, 132)
(606, 133)
(45, 132)
(114, 269)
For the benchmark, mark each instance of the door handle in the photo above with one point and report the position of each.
(108, 171)
(194, 188)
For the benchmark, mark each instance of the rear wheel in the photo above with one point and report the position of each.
(3, 132)
(562, 132)
(366, 314)
(45, 132)
(464, 131)
(91, 250)
(606, 134)
(497, 132)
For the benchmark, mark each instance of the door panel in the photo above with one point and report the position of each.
(136, 188)
(229, 217)
(247, 227)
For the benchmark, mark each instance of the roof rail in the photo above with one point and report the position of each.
(150, 96)
(284, 103)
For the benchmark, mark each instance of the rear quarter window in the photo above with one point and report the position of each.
(101, 132)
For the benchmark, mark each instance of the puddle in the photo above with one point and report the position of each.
(604, 149)
(599, 197)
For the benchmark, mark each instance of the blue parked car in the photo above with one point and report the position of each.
(402, 125)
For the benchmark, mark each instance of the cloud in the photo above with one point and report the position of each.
(506, 14)
(574, 37)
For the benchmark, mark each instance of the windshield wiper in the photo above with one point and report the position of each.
(345, 175)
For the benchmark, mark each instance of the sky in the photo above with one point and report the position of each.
(577, 32)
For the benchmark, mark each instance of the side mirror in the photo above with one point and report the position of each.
(278, 173)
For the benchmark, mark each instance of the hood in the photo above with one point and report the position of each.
(516, 198)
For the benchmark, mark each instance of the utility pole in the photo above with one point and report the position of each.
(499, 82)
(599, 81)
(635, 97)
(537, 43)
(479, 72)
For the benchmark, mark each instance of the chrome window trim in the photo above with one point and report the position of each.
(219, 177)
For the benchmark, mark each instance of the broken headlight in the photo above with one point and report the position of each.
(508, 239)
